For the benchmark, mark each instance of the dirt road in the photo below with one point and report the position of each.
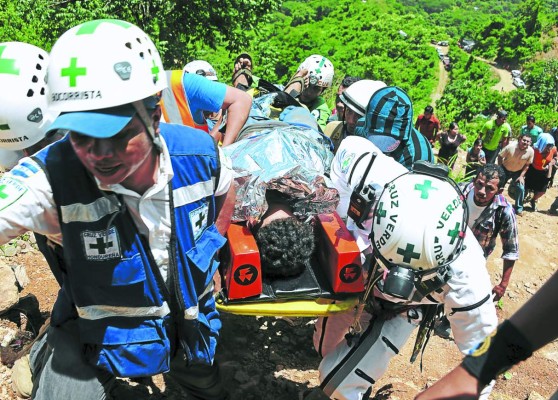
(505, 83)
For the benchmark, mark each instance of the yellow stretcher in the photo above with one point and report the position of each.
(289, 308)
(332, 282)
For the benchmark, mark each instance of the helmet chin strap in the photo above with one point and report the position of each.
(147, 122)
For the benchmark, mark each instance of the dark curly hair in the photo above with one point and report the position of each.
(491, 171)
(286, 246)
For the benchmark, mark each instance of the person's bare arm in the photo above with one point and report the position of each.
(237, 103)
(500, 159)
(532, 321)
(521, 177)
(500, 289)
(224, 207)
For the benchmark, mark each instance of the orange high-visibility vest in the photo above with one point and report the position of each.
(174, 102)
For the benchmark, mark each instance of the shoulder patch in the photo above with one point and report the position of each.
(346, 161)
(198, 220)
(24, 170)
(11, 190)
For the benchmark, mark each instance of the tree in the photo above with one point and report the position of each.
(174, 25)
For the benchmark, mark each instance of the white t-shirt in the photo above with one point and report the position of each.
(474, 210)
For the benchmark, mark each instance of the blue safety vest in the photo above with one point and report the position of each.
(123, 305)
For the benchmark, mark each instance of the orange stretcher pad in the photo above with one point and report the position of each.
(337, 254)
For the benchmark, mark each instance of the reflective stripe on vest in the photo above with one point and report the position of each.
(91, 212)
(103, 311)
(174, 102)
(193, 193)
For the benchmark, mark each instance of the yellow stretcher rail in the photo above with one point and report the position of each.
(291, 308)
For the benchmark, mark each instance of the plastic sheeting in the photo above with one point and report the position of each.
(291, 159)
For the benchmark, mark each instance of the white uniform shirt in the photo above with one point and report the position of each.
(347, 170)
(27, 204)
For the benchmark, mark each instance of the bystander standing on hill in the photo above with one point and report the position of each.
(475, 158)
(428, 124)
(531, 129)
(515, 158)
(539, 174)
(495, 135)
(449, 143)
(490, 216)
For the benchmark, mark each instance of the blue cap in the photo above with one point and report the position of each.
(101, 124)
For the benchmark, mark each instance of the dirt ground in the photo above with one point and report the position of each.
(273, 358)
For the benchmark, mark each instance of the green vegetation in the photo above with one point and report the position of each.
(174, 26)
(386, 40)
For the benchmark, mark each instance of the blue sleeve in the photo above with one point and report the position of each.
(203, 95)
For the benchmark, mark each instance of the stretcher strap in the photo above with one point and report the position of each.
(336, 377)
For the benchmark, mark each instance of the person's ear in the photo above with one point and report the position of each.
(156, 117)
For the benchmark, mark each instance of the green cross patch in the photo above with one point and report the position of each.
(155, 71)
(10, 191)
(454, 233)
(408, 253)
(90, 27)
(425, 188)
(7, 65)
(380, 212)
(73, 71)
(322, 62)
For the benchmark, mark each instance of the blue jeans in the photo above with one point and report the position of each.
(60, 371)
(519, 189)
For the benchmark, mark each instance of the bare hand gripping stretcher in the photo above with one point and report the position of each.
(330, 284)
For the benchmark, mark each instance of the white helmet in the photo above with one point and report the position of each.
(103, 63)
(9, 158)
(357, 96)
(24, 117)
(320, 70)
(419, 222)
(201, 67)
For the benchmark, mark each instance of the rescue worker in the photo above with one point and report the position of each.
(311, 79)
(434, 261)
(25, 117)
(495, 135)
(189, 95)
(203, 68)
(139, 207)
(214, 120)
(354, 99)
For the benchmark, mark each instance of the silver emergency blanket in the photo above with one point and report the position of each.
(294, 160)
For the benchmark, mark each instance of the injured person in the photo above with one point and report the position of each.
(284, 202)
(281, 169)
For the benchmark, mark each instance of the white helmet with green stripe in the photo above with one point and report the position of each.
(320, 70)
(419, 222)
(103, 63)
(24, 116)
